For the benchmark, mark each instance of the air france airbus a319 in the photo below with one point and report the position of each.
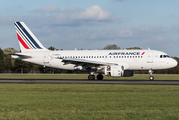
(113, 63)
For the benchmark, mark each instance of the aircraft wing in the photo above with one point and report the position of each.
(84, 63)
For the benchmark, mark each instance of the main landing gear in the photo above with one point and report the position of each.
(151, 77)
(100, 77)
(92, 77)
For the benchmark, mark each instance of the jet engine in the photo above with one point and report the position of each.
(114, 71)
(117, 71)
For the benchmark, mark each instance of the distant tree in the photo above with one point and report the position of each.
(52, 48)
(8, 63)
(134, 48)
(111, 47)
(9, 50)
(2, 65)
(22, 67)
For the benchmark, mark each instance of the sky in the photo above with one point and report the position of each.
(93, 24)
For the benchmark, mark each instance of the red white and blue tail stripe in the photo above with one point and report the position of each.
(27, 39)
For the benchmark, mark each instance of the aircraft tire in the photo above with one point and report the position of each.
(100, 77)
(151, 78)
(91, 77)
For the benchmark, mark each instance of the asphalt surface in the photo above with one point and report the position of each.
(60, 81)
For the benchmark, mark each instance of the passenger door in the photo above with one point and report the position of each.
(149, 57)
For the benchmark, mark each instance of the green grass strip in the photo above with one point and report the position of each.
(86, 102)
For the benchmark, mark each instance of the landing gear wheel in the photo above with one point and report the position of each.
(151, 78)
(91, 77)
(100, 77)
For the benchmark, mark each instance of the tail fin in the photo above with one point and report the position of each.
(27, 40)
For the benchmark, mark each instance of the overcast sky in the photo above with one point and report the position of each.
(93, 24)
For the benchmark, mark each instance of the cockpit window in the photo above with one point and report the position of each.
(164, 56)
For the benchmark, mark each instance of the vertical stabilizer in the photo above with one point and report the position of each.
(27, 40)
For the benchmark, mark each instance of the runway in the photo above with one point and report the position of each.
(68, 81)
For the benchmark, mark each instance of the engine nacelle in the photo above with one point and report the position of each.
(79, 68)
(128, 73)
(114, 71)
(117, 71)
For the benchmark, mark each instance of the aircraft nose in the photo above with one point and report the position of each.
(174, 63)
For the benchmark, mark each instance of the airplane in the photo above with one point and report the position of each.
(112, 63)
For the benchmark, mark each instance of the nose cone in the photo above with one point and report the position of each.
(174, 63)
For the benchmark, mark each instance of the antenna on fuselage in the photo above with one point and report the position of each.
(148, 48)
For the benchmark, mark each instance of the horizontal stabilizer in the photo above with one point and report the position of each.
(21, 56)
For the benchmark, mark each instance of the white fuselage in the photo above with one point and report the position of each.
(130, 59)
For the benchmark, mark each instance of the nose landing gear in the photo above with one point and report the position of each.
(151, 77)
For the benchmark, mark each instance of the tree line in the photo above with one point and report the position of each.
(9, 65)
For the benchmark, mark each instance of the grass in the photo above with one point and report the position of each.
(85, 76)
(82, 101)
